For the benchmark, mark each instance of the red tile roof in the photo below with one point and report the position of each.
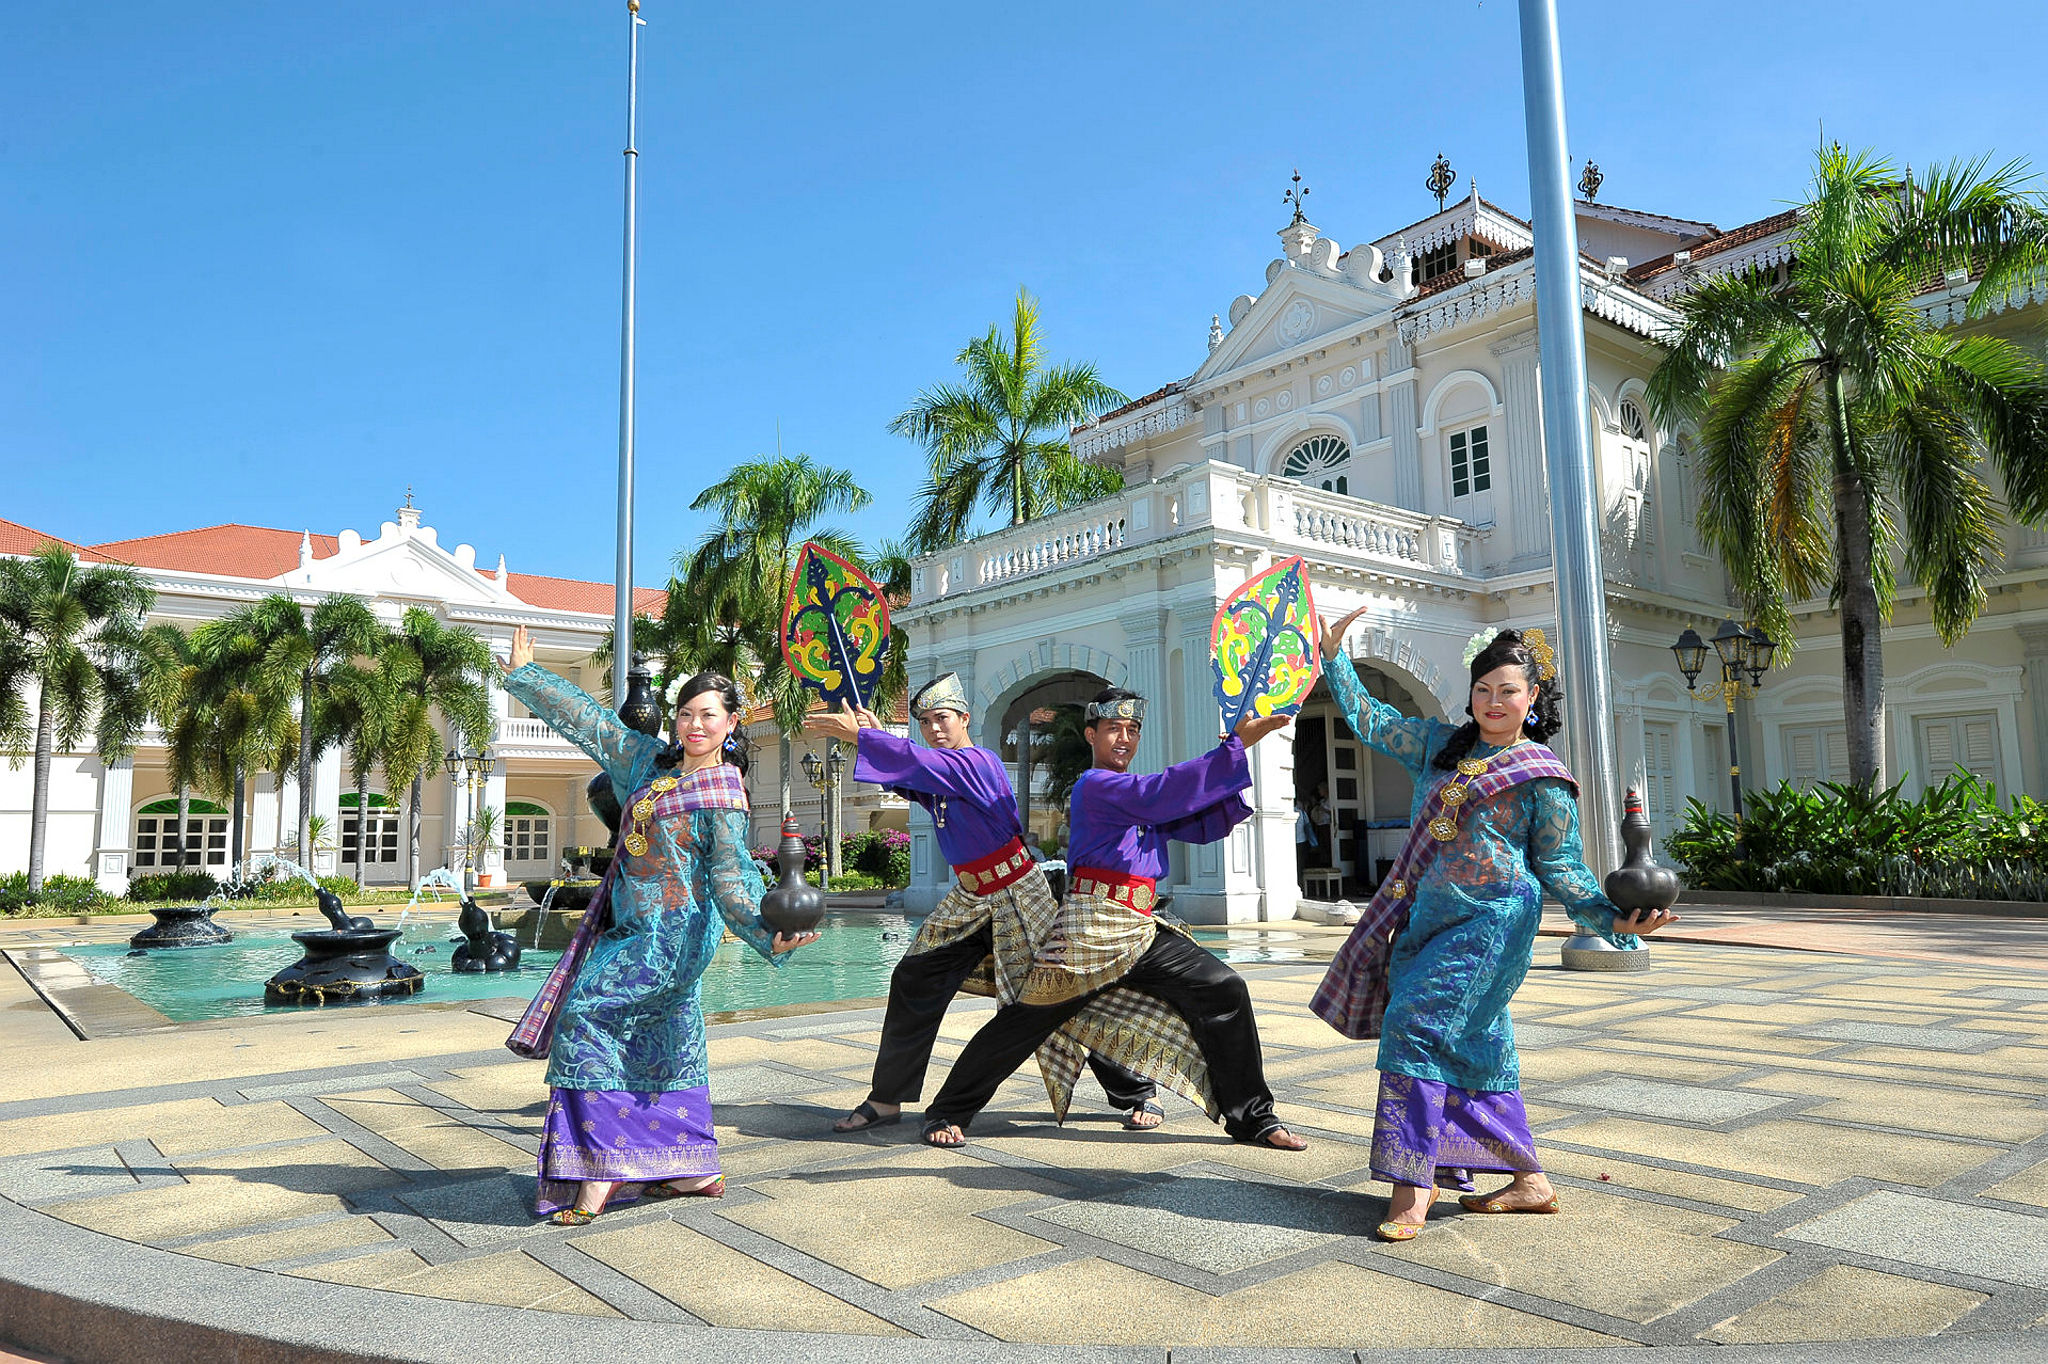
(1163, 391)
(1727, 241)
(16, 538)
(233, 551)
(263, 552)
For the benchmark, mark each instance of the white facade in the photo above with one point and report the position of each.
(1386, 427)
(114, 821)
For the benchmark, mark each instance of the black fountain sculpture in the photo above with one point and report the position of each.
(483, 948)
(350, 963)
(183, 926)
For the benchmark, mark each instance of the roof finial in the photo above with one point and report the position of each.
(1441, 178)
(408, 494)
(1215, 330)
(1589, 182)
(1297, 197)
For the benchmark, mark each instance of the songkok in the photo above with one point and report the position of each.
(941, 693)
(1124, 708)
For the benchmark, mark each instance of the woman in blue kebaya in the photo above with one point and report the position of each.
(629, 1108)
(1447, 939)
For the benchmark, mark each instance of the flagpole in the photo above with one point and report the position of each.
(622, 572)
(1581, 588)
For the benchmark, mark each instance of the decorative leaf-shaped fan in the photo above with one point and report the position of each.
(835, 628)
(1264, 643)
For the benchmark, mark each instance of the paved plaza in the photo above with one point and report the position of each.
(1755, 1146)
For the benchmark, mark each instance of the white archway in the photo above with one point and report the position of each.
(1448, 385)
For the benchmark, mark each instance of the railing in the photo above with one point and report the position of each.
(1214, 498)
(528, 732)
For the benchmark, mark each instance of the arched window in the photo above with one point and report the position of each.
(373, 829)
(1631, 419)
(527, 829)
(156, 834)
(1316, 460)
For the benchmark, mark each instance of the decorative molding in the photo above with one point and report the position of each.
(1169, 414)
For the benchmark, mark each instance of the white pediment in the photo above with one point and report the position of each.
(1299, 307)
(405, 562)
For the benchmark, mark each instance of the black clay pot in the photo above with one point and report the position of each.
(640, 710)
(795, 905)
(603, 801)
(1639, 883)
(182, 926)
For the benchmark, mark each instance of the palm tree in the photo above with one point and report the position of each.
(997, 439)
(360, 708)
(74, 632)
(168, 669)
(437, 671)
(235, 718)
(303, 650)
(739, 573)
(1840, 428)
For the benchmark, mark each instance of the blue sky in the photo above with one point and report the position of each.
(273, 263)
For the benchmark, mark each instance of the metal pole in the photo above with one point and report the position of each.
(1574, 506)
(622, 572)
(1734, 763)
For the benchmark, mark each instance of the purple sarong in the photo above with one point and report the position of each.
(1421, 1125)
(618, 1135)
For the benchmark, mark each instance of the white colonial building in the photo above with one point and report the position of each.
(1376, 411)
(114, 820)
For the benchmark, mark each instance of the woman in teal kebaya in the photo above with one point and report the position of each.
(1448, 936)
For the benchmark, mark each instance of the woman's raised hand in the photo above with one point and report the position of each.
(790, 942)
(1333, 635)
(522, 649)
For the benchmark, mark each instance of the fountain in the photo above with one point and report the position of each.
(193, 925)
(349, 963)
(482, 949)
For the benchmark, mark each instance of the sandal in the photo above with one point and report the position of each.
(1491, 1203)
(1265, 1137)
(572, 1217)
(1407, 1231)
(934, 1126)
(869, 1116)
(667, 1189)
(1131, 1123)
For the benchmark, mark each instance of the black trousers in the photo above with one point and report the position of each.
(920, 988)
(1196, 983)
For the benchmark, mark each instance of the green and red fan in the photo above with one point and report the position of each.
(1264, 645)
(835, 628)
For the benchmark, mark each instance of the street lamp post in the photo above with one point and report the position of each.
(1741, 650)
(469, 770)
(827, 776)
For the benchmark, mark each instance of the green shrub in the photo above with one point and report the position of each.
(883, 854)
(172, 885)
(1955, 842)
(344, 886)
(60, 894)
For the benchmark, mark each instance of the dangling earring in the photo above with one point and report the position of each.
(1532, 721)
(732, 742)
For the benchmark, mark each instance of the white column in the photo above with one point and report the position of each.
(1520, 472)
(1144, 634)
(116, 795)
(2034, 640)
(327, 779)
(1400, 391)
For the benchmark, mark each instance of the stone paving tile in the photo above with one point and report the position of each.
(2028, 1186)
(1918, 1108)
(1332, 1305)
(741, 1084)
(887, 1234)
(1219, 1226)
(190, 1209)
(1984, 1243)
(509, 1279)
(1843, 1302)
(1893, 1035)
(1804, 1152)
(442, 1140)
(1728, 1193)
(1101, 1148)
(2030, 1063)
(1626, 1257)
(178, 1128)
(1575, 1063)
(340, 1233)
(479, 1212)
(1655, 1099)
(74, 1174)
(1715, 1035)
(700, 1275)
(1608, 1015)
(514, 1088)
(365, 1271)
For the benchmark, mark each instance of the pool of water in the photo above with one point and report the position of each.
(851, 961)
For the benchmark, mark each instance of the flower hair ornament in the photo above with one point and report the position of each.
(1537, 643)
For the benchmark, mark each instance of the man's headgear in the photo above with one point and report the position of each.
(1123, 708)
(941, 693)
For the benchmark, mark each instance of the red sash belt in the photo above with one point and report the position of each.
(1135, 892)
(1003, 867)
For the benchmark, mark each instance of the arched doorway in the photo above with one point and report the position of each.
(1357, 799)
(1036, 728)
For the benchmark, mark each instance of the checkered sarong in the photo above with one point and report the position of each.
(1133, 1029)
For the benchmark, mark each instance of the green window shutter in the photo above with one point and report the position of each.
(170, 807)
(525, 807)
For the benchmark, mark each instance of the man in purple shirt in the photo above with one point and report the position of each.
(985, 932)
(1106, 939)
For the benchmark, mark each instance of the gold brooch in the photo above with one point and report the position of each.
(636, 843)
